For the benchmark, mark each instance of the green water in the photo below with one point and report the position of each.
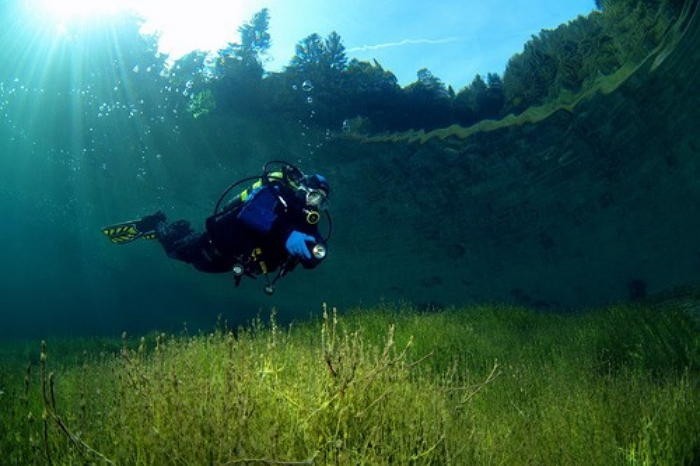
(588, 197)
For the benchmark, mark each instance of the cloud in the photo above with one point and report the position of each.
(401, 43)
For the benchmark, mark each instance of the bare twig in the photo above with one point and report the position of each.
(75, 439)
(490, 378)
(418, 361)
(330, 365)
(49, 412)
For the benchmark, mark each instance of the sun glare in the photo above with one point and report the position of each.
(181, 26)
(66, 10)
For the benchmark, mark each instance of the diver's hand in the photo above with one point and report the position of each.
(296, 244)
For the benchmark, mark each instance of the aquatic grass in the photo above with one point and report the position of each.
(390, 385)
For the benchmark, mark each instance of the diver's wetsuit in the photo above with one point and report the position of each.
(260, 226)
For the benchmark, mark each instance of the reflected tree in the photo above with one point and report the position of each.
(238, 70)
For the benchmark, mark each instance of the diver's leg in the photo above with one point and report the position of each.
(178, 240)
(182, 243)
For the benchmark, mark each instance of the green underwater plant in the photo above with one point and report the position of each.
(202, 103)
(390, 385)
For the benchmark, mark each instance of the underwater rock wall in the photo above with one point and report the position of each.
(594, 203)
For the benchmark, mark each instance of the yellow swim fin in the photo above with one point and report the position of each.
(126, 232)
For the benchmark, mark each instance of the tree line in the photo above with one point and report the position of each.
(552, 63)
(320, 76)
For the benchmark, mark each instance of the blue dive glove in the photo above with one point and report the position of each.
(296, 244)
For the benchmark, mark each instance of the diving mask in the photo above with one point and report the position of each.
(314, 197)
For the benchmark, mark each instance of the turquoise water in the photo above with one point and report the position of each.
(94, 131)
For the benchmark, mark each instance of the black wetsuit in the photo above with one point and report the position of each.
(249, 233)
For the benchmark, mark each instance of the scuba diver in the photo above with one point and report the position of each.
(270, 226)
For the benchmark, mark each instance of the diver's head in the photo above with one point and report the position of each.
(315, 189)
